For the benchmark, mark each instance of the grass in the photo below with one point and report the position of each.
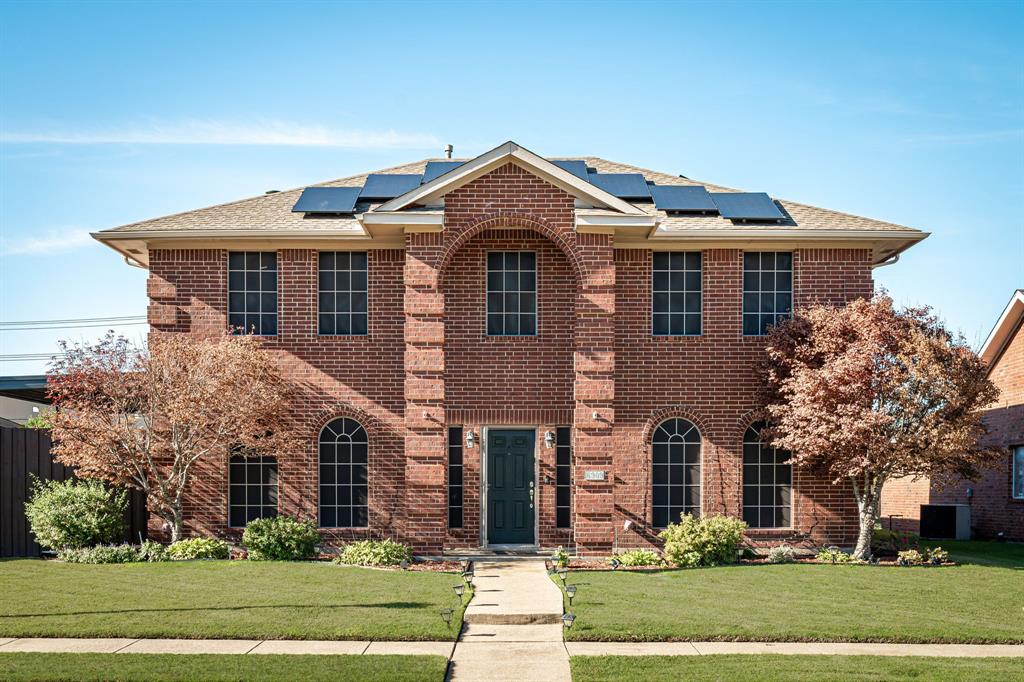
(223, 600)
(1005, 554)
(793, 668)
(183, 667)
(970, 603)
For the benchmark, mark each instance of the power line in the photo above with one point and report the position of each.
(70, 326)
(77, 320)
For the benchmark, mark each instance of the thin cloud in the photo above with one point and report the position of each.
(52, 242)
(212, 132)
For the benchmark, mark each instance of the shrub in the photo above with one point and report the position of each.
(374, 553)
(707, 541)
(198, 548)
(937, 555)
(833, 555)
(910, 557)
(639, 557)
(280, 539)
(153, 551)
(72, 514)
(561, 557)
(781, 554)
(101, 554)
(888, 542)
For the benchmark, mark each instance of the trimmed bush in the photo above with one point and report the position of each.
(151, 550)
(781, 554)
(280, 539)
(561, 557)
(198, 548)
(72, 514)
(639, 557)
(374, 553)
(707, 541)
(937, 555)
(101, 554)
(833, 555)
(889, 542)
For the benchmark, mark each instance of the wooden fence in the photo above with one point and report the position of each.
(25, 453)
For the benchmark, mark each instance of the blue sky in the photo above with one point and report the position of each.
(117, 112)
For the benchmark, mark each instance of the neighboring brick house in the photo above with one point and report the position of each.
(510, 350)
(996, 498)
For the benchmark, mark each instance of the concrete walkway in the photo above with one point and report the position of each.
(513, 627)
(221, 646)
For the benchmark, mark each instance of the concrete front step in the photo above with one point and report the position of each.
(513, 593)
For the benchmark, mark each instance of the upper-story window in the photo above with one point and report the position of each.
(252, 292)
(767, 290)
(511, 293)
(342, 293)
(676, 293)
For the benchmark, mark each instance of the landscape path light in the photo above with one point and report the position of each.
(568, 619)
(459, 589)
(446, 616)
(571, 591)
(562, 575)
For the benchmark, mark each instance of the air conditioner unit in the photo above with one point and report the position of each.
(946, 521)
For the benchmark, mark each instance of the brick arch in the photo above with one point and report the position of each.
(748, 418)
(506, 219)
(339, 411)
(673, 412)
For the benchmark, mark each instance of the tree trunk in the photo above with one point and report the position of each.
(868, 499)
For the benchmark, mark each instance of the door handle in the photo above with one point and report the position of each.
(531, 494)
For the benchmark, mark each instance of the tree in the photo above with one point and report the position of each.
(145, 418)
(871, 393)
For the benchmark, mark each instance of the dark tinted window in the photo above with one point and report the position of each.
(767, 290)
(252, 292)
(563, 477)
(344, 491)
(455, 470)
(767, 483)
(252, 489)
(676, 293)
(675, 471)
(342, 293)
(511, 293)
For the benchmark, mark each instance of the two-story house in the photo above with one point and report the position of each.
(512, 350)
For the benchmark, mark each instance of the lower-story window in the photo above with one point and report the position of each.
(455, 471)
(252, 489)
(563, 477)
(675, 471)
(344, 492)
(1018, 472)
(767, 482)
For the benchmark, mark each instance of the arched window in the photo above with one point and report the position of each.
(675, 471)
(767, 482)
(343, 473)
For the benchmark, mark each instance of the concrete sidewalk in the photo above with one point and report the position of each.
(221, 646)
(791, 648)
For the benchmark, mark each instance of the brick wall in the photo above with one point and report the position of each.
(427, 364)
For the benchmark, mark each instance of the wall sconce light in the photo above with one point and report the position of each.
(549, 439)
(595, 415)
(470, 438)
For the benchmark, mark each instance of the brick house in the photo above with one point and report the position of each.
(996, 497)
(510, 350)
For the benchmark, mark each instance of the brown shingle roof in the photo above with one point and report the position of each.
(273, 212)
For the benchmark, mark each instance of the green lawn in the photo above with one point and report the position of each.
(223, 599)
(1005, 554)
(810, 602)
(181, 667)
(793, 668)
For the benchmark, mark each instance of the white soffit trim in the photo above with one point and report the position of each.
(771, 233)
(1000, 334)
(498, 156)
(644, 220)
(401, 218)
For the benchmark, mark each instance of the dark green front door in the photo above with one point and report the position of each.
(510, 487)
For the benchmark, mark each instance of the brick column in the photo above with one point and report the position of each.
(594, 393)
(425, 438)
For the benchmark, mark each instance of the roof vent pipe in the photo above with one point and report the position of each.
(448, 149)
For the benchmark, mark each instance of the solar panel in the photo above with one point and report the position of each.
(622, 185)
(327, 200)
(384, 186)
(436, 168)
(747, 206)
(574, 166)
(681, 198)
